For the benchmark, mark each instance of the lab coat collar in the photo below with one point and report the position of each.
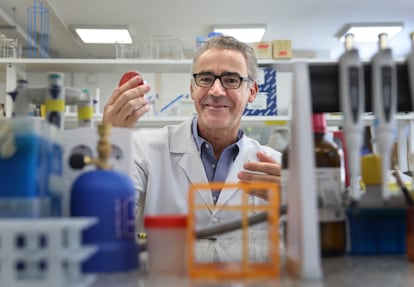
(237, 166)
(182, 142)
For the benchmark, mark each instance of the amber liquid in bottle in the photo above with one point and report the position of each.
(332, 228)
(410, 234)
(332, 221)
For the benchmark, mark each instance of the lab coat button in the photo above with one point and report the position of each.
(215, 220)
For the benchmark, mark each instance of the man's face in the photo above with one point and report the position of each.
(217, 107)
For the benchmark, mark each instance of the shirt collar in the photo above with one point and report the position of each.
(199, 140)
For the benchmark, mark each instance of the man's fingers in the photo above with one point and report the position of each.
(263, 157)
(135, 115)
(251, 176)
(132, 83)
(115, 95)
(264, 167)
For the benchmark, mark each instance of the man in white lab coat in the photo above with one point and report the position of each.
(210, 147)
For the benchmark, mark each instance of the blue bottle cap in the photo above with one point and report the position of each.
(214, 34)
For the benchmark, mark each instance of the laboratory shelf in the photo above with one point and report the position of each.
(109, 65)
(282, 121)
(71, 121)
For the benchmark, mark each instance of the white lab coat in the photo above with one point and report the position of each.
(166, 162)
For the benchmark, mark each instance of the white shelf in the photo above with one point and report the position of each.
(71, 120)
(109, 65)
(98, 65)
(144, 65)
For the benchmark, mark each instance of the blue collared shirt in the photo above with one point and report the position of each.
(216, 170)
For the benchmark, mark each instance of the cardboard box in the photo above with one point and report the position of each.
(265, 103)
(282, 49)
(263, 50)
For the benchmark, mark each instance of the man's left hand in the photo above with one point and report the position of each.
(265, 170)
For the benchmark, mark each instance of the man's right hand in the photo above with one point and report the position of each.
(127, 104)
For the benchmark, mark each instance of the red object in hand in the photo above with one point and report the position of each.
(127, 76)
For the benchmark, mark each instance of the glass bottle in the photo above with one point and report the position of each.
(332, 221)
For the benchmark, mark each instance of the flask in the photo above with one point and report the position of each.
(328, 176)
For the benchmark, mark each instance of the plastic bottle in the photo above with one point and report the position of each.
(199, 42)
(166, 241)
(332, 221)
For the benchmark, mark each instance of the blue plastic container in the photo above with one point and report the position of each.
(377, 231)
(25, 175)
(55, 170)
(109, 196)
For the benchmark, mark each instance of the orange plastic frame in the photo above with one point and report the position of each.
(244, 268)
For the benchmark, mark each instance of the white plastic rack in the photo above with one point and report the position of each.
(44, 252)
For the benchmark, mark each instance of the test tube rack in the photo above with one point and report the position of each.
(241, 266)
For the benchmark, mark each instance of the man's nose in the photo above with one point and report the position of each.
(217, 85)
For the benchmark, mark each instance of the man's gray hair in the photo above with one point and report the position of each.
(231, 43)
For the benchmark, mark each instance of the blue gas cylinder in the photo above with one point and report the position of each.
(109, 196)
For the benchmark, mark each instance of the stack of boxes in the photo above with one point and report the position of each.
(277, 49)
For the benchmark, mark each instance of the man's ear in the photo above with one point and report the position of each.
(191, 90)
(254, 88)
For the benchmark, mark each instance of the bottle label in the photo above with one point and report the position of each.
(124, 218)
(331, 214)
(328, 185)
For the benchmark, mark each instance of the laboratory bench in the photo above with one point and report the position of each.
(346, 271)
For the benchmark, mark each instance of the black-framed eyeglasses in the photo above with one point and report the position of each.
(228, 80)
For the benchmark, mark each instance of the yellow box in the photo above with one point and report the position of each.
(371, 169)
(282, 49)
(263, 50)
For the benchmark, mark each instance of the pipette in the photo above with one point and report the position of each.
(410, 65)
(352, 99)
(384, 96)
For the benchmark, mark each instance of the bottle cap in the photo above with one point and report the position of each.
(319, 123)
(165, 221)
(214, 34)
